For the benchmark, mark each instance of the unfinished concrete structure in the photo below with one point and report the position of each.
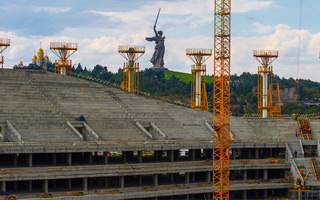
(159, 150)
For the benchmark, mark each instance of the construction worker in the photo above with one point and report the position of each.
(301, 172)
(309, 130)
(295, 153)
(296, 133)
(300, 126)
(298, 181)
(307, 124)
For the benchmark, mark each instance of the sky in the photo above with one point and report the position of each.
(99, 26)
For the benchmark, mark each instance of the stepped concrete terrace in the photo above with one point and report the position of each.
(133, 147)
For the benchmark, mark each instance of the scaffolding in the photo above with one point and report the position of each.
(269, 104)
(4, 44)
(198, 77)
(130, 81)
(221, 99)
(63, 50)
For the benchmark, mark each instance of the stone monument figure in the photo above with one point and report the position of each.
(159, 49)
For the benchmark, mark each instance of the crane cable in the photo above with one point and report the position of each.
(299, 49)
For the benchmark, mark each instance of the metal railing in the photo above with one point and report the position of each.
(131, 48)
(262, 53)
(198, 51)
(4, 42)
(63, 45)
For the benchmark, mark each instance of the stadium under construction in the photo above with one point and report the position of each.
(136, 147)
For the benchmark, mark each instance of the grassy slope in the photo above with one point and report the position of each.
(185, 77)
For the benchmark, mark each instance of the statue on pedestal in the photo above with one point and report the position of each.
(159, 49)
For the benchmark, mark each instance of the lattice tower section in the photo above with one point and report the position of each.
(221, 99)
(199, 98)
(130, 81)
(4, 44)
(64, 51)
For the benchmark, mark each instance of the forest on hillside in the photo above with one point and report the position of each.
(243, 88)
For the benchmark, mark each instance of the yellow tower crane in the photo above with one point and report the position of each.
(4, 44)
(63, 50)
(130, 80)
(198, 77)
(221, 99)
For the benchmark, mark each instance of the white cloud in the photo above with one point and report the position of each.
(261, 29)
(241, 6)
(50, 9)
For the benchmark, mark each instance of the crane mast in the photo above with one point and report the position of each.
(221, 99)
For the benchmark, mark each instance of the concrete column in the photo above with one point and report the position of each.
(192, 155)
(193, 177)
(69, 184)
(245, 174)
(265, 194)
(156, 156)
(233, 154)
(30, 186)
(69, 159)
(187, 177)
(124, 156)
(208, 195)
(105, 157)
(244, 194)
(208, 176)
(171, 178)
(256, 174)
(3, 186)
(45, 186)
(15, 185)
(257, 153)
(187, 197)
(106, 182)
(54, 183)
(121, 181)
(29, 160)
(139, 156)
(155, 179)
(85, 184)
(15, 160)
(171, 155)
(265, 174)
(90, 159)
(54, 158)
(140, 180)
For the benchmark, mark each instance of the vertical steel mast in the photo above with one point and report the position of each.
(221, 99)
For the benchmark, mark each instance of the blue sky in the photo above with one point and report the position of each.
(99, 26)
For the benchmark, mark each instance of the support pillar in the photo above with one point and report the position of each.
(45, 186)
(85, 184)
(105, 157)
(192, 154)
(69, 184)
(29, 160)
(139, 156)
(208, 176)
(265, 194)
(233, 154)
(245, 175)
(69, 159)
(171, 178)
(124, 156)
(15, 185)
(171, 155)
(30, 186)
(155, 179)
(193, 177)
(156, 156)
(3, 186)
(187, 177)
(265, 174)
(187, 197)
(106, 182)
(121, 181)
(15, 160)
(90, 159)
(244, 194)
(257, 153)
(54, 159)
(139, 179)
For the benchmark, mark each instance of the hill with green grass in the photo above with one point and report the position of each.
(184, 77)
